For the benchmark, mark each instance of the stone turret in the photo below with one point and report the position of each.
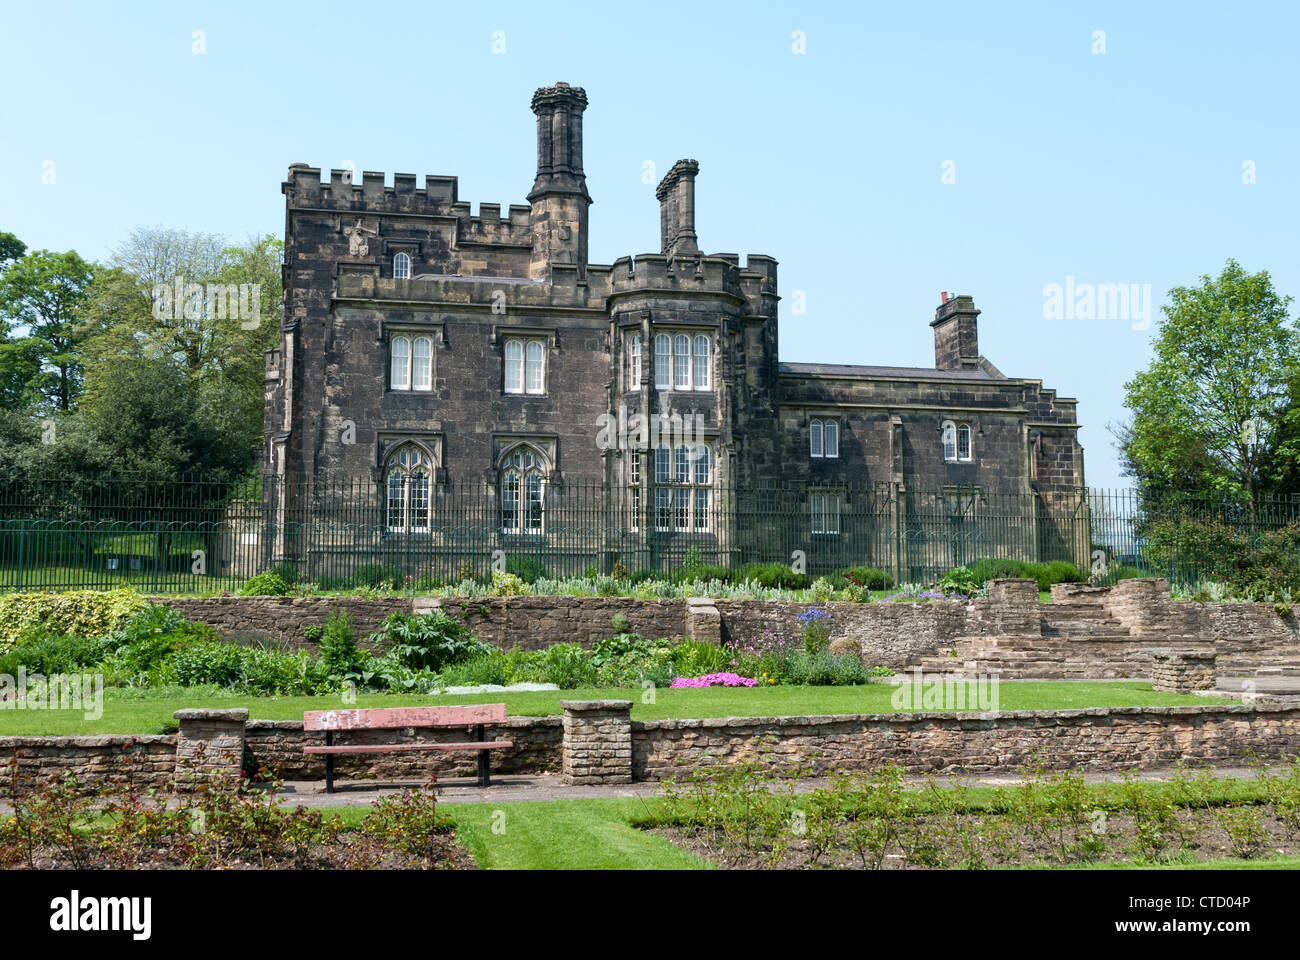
(676, 193)
(956, 335)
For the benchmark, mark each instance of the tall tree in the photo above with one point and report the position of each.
(45, 293)
(1210, 406)
(11, 249)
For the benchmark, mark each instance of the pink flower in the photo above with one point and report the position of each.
(713, 680)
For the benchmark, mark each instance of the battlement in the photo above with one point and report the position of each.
(438, 197)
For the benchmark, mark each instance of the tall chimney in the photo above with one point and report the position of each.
(956, 335)
(676, 193)
(559, 198)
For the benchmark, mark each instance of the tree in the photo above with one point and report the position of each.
(1208, 413)
(11, 249)
(46, 293)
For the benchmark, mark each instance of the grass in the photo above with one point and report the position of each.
(150, 711)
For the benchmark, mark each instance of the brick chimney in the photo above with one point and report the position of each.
(676, 193)
(559, 198)
(956, 334)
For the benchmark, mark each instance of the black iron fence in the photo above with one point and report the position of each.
(199, 536)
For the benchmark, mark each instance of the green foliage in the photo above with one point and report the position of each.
(1057, 571)
(339, 654)
(823, 668)
(376, 575)
(507, 584)
(526, 567)
(695, 658)
(1213, 406)
(77, 613)
(866, 578)
(960, 580)
(427, 641)
(269, 584)
(772, 575)
(567, 666)
(46, 293)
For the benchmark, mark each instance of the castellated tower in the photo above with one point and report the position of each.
(559, 198)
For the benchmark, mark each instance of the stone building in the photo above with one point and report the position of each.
(430, 353)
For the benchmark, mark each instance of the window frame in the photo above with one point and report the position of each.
(403, 258)
(519, 381)
(407, 365)
(416, 480)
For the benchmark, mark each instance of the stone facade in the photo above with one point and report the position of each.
(376, 273)
(209, 745)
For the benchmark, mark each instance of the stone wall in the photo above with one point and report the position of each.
(281, 620)
(148, 760)
(1091, 739)
(1183, 671)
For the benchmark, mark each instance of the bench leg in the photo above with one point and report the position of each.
(484, 762)
(329, 762)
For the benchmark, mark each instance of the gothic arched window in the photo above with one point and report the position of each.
(406, 484)
(522, 483)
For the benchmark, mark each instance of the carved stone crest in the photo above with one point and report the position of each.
(359, 238)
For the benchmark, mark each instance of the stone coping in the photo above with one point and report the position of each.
(90, 740)
(233, 715)
(1207, 709)
(588, 706)
(548, 720)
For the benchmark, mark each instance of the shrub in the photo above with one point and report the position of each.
(527, 568)
(704, 573)
(868, 578)
(376, 575)
(823, 668)
(772, 575)
(507, 584)
(567, 666)
(427, 641)
(148, 639)
(339, 654)
(269, 584)
(485, 668)
(38, 651)
(960, 580)
(77, 613)
(693, 658)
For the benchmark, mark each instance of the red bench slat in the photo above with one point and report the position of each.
(393, 718)
(399, 747)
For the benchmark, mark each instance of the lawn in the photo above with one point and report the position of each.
(150, 711)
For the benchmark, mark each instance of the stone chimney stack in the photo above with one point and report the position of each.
(676, 193)
(956, 335)
(559, 198)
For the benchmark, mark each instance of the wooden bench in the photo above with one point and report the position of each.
(397, 718)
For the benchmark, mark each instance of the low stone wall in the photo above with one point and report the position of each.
(148, 760)
(1183, 671)
(597, 742)
(281, 620)
(1092, 739)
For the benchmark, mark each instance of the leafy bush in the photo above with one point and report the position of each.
(269, 584)
(76, 613)
(567, 666)
(427, 641)
(507, 584)
(38, 651)
(823, 668)
(694, 658)
(868, 578)
(960, 580)
(1115, 574)
(486, 668)
(527, 568)
(339, 654)
(375, 575)
(772, 575)
(702, 573)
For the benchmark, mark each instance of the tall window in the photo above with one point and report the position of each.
(956, 441)
(702, 366)
(521, 493)
(634, 363)
(663, 361)
(823, 437)
(634, 484)
(410, 363)
(407, 487)
(825, 512)
(525, 366)
(401, 266)
(684, 487)
(683, 361)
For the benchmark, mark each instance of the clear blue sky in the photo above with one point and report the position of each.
(1122, 167)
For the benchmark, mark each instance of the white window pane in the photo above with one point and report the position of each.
(401, 266)
(963, 442)
(395, 487)
(510, 500)
(419, 502)
(422, 364)
(703, 464)
(949, 441)
(681, 362)
(401, 364)
(663, 360)
(702, 350)
(701, 509)
(534, 366)
(683, 464)
(634, 364)
(833, 513)
(514, 366)
(818, 508)
(663, 465)
(533, 495)
(832, 445)
(681, 508)
(815, 438)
